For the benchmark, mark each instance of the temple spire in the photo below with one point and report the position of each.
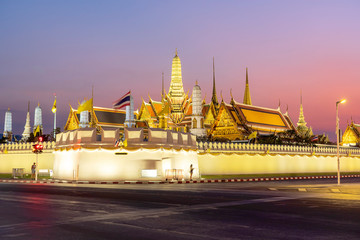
(162, 87)
(301, 121)
(214, 97)
(247, 97)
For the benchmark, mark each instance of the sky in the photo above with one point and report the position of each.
(66, 47)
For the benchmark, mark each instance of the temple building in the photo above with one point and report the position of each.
(174, 111)
(236, 121)
(351, 136)
(8, 125)
(197, 118)
(217, 121)
(99, 117)
(302, 129)
(38, 127)
(27, 128)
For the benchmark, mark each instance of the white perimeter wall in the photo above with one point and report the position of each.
(101, 164)
(219, 164)
(24, 160)
(105, 165)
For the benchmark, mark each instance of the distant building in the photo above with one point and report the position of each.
(38, 126)
(351, 136)
(27, 127)
(8, 125)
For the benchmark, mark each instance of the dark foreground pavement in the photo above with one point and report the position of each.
(271, 210)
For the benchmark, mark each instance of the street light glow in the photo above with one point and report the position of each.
(341, 101)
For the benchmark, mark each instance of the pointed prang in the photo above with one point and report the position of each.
(176, 52)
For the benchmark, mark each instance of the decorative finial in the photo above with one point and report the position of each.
(222, 99)
(279, 105)
(287, 108)
(231, 93)
(196, 82)
(214, 97)
(247, 78)
(8, 109)
(162, 87)
(176, 52)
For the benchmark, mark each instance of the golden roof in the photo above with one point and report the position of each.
(266, 118)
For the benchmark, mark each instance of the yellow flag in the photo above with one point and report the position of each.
(252, 135)
(86, 106)
(37, 130)
(125, 143)
(54, 107)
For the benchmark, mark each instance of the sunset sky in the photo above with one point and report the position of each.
(65, 47)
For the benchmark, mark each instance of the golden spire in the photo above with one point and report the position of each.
(214, 97)
(301, 121)
(247, 98)
(176, 90)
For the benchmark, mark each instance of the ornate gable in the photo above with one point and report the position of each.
(225, 126)
(210, 116)
(72, 122)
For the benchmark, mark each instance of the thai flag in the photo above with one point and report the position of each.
(315, 138)
(123, 101)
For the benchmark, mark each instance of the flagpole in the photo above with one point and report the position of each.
(55, 119)
(92, 107)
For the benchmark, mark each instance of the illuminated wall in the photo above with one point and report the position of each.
(219, 163)
(20, 155)
(25, 160)
(102, 164)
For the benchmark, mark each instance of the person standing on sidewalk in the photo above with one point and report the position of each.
(191, 171)
(33, 171)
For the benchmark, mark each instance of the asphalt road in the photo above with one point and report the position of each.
(264, 210)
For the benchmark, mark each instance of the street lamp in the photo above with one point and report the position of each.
(337, 138)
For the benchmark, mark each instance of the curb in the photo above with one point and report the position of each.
(178, 182)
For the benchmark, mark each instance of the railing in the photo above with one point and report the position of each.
(227, 147)
(275, 149)
(25, 146)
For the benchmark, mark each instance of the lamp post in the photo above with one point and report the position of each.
(337, 138)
